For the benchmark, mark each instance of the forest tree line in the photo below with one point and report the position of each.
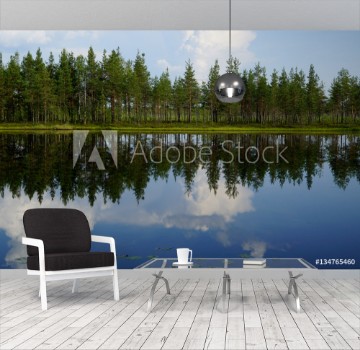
(82, 90)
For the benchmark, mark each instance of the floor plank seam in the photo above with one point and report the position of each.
(339, 315)
(141, 305)
(180, 314)
(272, 307)
(145, 291)
(88, 283)
(319, 311)
(110, 306)
(169, 306)
(202, 298)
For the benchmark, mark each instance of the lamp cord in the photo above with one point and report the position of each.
(229, 30)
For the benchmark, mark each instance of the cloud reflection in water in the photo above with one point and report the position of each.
(166, 204)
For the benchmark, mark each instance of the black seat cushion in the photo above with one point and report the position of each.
(69, 261)
(62, 230)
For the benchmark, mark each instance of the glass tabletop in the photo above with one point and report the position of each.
(229, 263)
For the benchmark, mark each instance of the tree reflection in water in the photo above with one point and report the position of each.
(40, 163)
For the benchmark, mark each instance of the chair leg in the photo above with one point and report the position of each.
(75, 286)
(116, 285)
(43, 293)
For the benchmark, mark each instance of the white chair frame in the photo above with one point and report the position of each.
(74, 274)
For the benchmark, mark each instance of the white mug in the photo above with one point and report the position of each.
(183, 255)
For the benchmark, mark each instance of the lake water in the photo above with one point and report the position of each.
(243, 195)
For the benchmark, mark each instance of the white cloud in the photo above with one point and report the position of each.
(202, 202)
(200, 210)
(204, 47)
(191, 222)
(174, 69)
(223, 238)
(257, 248)
(81, 34)
(14, 38)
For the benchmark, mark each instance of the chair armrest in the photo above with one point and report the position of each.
(40, 245)
(108, 240)
(105, 239)
(35, 242)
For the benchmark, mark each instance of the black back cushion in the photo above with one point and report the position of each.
(62, 230)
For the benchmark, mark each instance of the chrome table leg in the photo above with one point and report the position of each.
(226, 283)
(225, 290)
(158, 277)
(293, 285)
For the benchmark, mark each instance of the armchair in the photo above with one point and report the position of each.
(58, 246)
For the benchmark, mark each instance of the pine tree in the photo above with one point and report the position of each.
(2, 90)
(313, 94)
(179, 97)
(142, 85)
(128, 88)
(340, 94)
(156, 104)
(261, 92)
(335, 99)
(165, 93)
(113, 80)
(191, 89)
(52, 67)
(93, 86)
(355, 97)
(81, 88)
(204, 99)
(213, 102)
(64, 86)
(14, 89)
(322, 101)
(297, 94)
(345, 91)
(284, 95)
(274, 97)
(249, 100)
(43, 83)
(233, 65)
(30, 86)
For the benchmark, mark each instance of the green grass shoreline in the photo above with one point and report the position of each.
(180, 128)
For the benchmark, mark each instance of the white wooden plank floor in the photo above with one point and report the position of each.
(258, 314)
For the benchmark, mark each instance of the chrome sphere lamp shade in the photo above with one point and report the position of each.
(230, 88)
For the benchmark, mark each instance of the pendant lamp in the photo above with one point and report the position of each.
(229, 87)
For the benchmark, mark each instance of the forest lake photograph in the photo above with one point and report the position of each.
(160, 191)
(274, 176)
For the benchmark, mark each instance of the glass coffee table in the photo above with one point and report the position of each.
(222, 267)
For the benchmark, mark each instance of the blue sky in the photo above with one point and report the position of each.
(329, 51)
